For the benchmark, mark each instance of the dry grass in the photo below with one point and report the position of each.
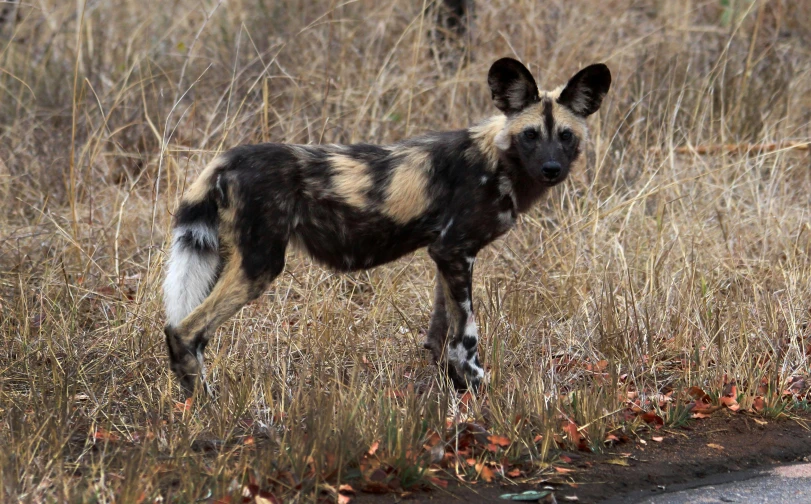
(676, 268)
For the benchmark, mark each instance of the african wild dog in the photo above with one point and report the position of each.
(353, 207)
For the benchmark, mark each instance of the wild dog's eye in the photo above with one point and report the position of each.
(566, 136)
(530, 134)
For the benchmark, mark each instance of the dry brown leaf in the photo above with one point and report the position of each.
(715, 446)
(102, 434)
(758, 404)
(437, 482)
(730, 402)
(563, 470)
(570, 428)
(698, 394)
(618, 461)
(182, 407)
(652, 418)
(501, 441)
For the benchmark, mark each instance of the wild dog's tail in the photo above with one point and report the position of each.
(194, 260)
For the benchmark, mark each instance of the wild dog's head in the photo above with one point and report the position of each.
(545, 131)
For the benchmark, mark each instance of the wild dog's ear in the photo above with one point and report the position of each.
(512, 85)
(584, 92)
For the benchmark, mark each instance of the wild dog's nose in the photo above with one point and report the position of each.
(551, 170)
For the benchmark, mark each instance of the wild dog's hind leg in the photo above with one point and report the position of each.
(456, 277)
(236, 287)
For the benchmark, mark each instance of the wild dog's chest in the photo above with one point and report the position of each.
(484, 213)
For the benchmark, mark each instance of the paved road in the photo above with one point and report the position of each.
(783, 484)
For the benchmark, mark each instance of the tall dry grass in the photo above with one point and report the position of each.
(677, 269)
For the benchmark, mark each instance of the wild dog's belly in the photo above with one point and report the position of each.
(348, 241)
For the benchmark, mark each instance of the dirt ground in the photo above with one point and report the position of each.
(684, 458)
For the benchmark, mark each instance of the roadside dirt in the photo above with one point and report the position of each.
(706, 450)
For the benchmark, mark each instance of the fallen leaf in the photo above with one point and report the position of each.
(698, 394)
(618, 461)
(572, 432)
(760, 422)
(182, 407)
(652, 418)
(514, 473)
(563, 470)
(715, 446)
(701, 415)
(730, 389)
(731, 403)
(105, 435)
(501, 441)
(758, 404)
(433, 439)
(658, 439)
(437, 482)
(248, 441)
(485, 472)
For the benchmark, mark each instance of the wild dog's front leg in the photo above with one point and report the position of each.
(456, 273)
(438, 329)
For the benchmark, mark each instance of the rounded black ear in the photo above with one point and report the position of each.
(512, 85)
(584, 92)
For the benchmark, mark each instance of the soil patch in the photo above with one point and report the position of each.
(703, 453)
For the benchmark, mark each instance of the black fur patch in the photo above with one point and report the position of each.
(548, 119)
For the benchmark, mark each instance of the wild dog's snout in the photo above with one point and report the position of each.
(551, 170)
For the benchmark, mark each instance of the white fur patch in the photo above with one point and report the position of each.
(190, 274)
(446, 228)
(506, 219)
(502, 139)
(457, 354)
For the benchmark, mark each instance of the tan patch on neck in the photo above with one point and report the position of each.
(486, 137)
(350, 179)
(406, 195)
